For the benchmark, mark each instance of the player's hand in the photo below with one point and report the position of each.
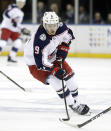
(25, 31)
(58, 61)
(58, 72)
(62, 51)
(14, 23)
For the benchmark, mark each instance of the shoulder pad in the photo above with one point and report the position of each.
(62, 28)
(41, 37)
(11, 6)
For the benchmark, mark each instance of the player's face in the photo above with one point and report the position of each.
(51, 28)
(20, 4)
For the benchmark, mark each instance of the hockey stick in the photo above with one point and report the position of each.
(88, 121)
(13, 81)
(68, 118)
(93, 118)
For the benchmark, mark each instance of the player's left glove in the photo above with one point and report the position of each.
(25, 31)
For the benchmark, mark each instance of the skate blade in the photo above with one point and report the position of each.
(89, 113)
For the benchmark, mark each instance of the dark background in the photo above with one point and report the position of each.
(103, 6)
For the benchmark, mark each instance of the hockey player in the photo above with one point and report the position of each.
(43, 54)
(11, 28)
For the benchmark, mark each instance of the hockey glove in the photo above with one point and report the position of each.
(58, 72)
(14, 23)
(62, 51)
(58, 61)
(25, 31)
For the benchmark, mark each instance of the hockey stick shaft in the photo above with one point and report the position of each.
(12, 81)
(93, 118)
(65, 101)
(63, 86)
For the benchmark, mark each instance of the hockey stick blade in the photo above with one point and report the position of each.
(64, 119)
(67, 122)
(27, 90)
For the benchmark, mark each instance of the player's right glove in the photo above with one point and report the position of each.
(25, 31)
(58, 72)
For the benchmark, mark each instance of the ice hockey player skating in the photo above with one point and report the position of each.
(11, 28)
(43, 54)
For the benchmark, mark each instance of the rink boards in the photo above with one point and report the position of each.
(90, 41)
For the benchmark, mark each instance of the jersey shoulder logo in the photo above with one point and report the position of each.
(42, 37)
(61, 24)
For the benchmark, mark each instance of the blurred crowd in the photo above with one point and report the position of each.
(68, 15)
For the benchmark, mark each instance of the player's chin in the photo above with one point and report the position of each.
(52, 33)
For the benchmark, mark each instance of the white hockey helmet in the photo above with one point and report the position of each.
(20, 3)
(50, 18)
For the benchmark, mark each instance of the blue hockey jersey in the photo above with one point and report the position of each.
(44, 47)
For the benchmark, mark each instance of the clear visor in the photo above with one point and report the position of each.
(51, 28)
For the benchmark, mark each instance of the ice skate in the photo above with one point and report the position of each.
(11, 60)
(80, 109)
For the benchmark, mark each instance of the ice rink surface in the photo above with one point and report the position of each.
(41, 109)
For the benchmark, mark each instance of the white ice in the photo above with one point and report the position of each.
(41, 109)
